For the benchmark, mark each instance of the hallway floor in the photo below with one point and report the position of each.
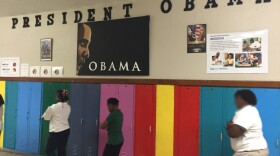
(4, 152)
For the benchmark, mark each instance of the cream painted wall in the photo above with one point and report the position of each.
(169, 59)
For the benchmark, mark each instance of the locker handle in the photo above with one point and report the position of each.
(96, 122)
(277, 143)
(131, 127)
(150, 128)
(82, 121)
(221, 137)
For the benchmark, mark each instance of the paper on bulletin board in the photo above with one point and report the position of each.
(34, 71)
(10, 66)
(57, 71)
(24, 70)
(244, 52)
(46, 71)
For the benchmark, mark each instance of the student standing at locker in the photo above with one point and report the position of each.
(113, 124)
(58, 115)
(1, 113)
(245, 129)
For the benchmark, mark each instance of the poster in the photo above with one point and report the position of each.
(24, 70)
(34, 71)
(46, 71)
(115, 47)
(244, 52)
(196, 35)
(10, 66)
(57, 71)
(46, 49)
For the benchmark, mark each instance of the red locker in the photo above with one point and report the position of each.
(186, 124)
(145, 120)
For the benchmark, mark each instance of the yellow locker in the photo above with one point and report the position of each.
(165, 120)
(2, 92)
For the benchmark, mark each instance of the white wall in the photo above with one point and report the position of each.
(169, 59)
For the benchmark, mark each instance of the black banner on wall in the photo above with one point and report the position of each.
(115, 47)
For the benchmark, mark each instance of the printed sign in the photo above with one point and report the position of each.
(10, 66)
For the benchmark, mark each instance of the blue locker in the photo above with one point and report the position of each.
(10, 114)
(77, 102)
(211, 121)
(22, 116)
(28, 117)
(268, 106)
(85, 100)
(91, 115)
(34, 117)
(228, 114)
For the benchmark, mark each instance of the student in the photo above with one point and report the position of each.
(1, 113)
(58, 115)
(245, 129)
(113, 124)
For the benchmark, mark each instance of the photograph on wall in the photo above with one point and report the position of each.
(244, 52)
(24, 70)
(115, 47)
(57, 71)
(46, 49)
(34, 71)
(46, 71)
(196, 38)
(10, 66)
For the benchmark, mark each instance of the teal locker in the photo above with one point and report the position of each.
(268, 106)
(10, 114)
(211, 121)
(28, 117)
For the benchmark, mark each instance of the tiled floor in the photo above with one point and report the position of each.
(11, 153)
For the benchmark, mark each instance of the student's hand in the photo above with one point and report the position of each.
(229, 123)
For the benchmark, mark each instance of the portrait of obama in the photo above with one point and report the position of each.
(84, 39)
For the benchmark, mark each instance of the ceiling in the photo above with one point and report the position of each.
(23, 7)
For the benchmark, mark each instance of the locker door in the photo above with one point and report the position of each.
(2, 92)
(34, 117)
(165, 121)
(211, 121)
(107, 91)
(24, 93)
(186, 121)
(49, 98)
(145, 120)
(77, 101)
(268, 106)
(229, 112)
(10, 114)
(91, 126)
(126, 105)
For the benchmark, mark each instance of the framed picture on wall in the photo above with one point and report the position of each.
(46, 49)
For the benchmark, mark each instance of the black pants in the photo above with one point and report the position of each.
(112, 150)
(57, 143)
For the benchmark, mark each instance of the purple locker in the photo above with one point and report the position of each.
(126, 98)
(107, 91)
(125, 94)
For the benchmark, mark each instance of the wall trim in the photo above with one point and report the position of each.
(225, 83)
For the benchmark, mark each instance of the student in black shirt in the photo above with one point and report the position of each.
(1, 112)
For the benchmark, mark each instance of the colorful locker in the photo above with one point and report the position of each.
(126, 98)
(186, 121)
(125, 94)
(107, 91)
(145, 120)
(2, 92)
(165, 121)
(84, 117)
(28, 117)
(49, 98)
(268, 106)
(10, 114)
(211, 121)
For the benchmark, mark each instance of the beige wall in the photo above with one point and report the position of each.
(169, 59)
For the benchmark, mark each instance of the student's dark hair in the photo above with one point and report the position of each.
(62, 95)
(247, 95)
(113, 101)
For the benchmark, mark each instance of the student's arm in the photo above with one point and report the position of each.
(48, 114)
(104, 125)
(235, 131)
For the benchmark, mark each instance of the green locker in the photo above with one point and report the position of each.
(49, 98)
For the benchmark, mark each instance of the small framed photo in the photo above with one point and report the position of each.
(46, 49)
(57, 71)
(34, 71)
(46, 71)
